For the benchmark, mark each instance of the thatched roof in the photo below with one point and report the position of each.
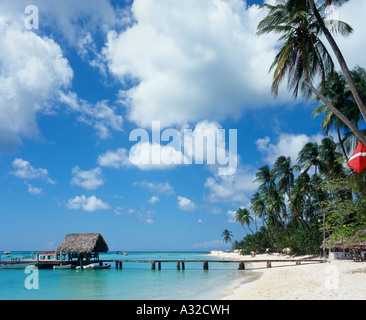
(83, 242)
(342, 242)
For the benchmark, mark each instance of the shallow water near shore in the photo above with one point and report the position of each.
(136, 281)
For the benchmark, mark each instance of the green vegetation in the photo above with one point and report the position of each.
(300, 204)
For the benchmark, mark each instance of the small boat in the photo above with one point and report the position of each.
(125, 253)
(62, 267)
(89, 266)
(106, 266)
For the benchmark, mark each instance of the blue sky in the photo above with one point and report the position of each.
(72, 90)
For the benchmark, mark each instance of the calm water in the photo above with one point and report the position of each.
(135, 282)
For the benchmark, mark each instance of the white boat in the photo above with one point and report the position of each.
(89, 266)
(67, 266)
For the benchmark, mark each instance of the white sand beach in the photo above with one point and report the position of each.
(333, 280)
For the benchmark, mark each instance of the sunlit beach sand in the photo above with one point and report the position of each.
(333, 280)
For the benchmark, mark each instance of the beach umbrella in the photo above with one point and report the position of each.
(286, 250)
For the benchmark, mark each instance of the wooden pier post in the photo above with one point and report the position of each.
(120, 265)
(205, 265)
(241, 266)
(178, 265)
(269, 265)
(153, 265)
(159, 265)
(183, 266)
(116, 262)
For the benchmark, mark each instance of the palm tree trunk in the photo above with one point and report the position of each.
(341, 143)
(338, 113)
(297, 211)
(341, 60)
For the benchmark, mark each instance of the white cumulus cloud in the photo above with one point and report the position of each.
(186, 204)
(89, 204)
(24, 170)
(288, 145)
(191, 60)
(88, 179)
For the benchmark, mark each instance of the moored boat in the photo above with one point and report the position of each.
(89, 266)
(106, 266)
(62, 267)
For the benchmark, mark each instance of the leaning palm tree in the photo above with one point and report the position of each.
(302, 56)
(243, 216)
(346, 71)
(227, 236)
(337, 92)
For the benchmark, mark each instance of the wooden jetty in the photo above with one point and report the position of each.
(241, 263)
(156, 264)
(83, 249)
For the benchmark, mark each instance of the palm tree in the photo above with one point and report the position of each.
(258, 206)
(266, 177)
(337, 51)
(284, 171)
(302, 56)
(337, 92)
(227, 235)
(331, 159)
(243, 217)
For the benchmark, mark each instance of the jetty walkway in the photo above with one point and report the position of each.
(156, 264)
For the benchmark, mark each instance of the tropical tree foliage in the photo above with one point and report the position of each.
(302, 56)
(297, 204)
(227, 236)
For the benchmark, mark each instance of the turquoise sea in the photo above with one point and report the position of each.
(136, 281)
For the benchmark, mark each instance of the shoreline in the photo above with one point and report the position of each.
(333, 280)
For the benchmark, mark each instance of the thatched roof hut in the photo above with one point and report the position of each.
(358, 241)
(83, 243)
